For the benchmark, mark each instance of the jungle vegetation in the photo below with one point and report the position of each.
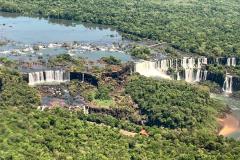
(141, 52)
(28, 133)
(15, 91)
(65, 60)
(174, 104)
(181, 118)
(111, 60)
(206, 27)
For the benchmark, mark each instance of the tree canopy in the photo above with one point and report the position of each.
(28, 133)
(173, 104)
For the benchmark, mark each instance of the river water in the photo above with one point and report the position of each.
(34, 30)
(235, 112)
(24, 32)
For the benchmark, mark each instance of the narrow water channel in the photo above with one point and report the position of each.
(232, 121)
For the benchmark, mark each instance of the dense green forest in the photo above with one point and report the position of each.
(206, 27)
(15, 91)
(174, 104)
(179, 118)
(28, 133)
(61, 134)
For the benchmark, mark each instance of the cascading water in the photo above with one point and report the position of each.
(164, 66)
(205, 61)
(234, 62)
(184, 62)
(231, 61)
(188, 64)
(217, 60)
(152, 69)
(178, 76)
(199, 64)
(170, 63)
(51, 76)
(189, 75)
(36, 78)
(227, 86)
(205, 75)
(193, 69)
(199, 75)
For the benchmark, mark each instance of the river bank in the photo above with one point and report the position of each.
(230, 125)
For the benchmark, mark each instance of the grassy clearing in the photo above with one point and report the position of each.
(104, 103)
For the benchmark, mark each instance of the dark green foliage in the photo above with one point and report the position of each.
(103, 92)
(140, 52)
(110, 121)
(111, 60)
(172, 104)
(7, 62)
(200, 26)
(61, 134)
(217, 69)
(16, 92)
(27, 133)
(63, 59)
(214, 87)
(220, 69)
(74, 64)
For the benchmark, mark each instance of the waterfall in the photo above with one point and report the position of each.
(193, 68)
(170, 63)
(217, 60)
(205, 60)
(178, 76)
(152, 69)
(199, 64)
(83, 76)
(164, 66)
(205, 75)
(190, 69)
(227, 86)
(58, 76)
(51, 76)
(231, 61)
(199, 75)
(188, 64)
(189, 75)
(191, 63)
(36, 78)
(184, 62)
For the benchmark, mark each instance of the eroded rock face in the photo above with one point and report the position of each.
(84, 77)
